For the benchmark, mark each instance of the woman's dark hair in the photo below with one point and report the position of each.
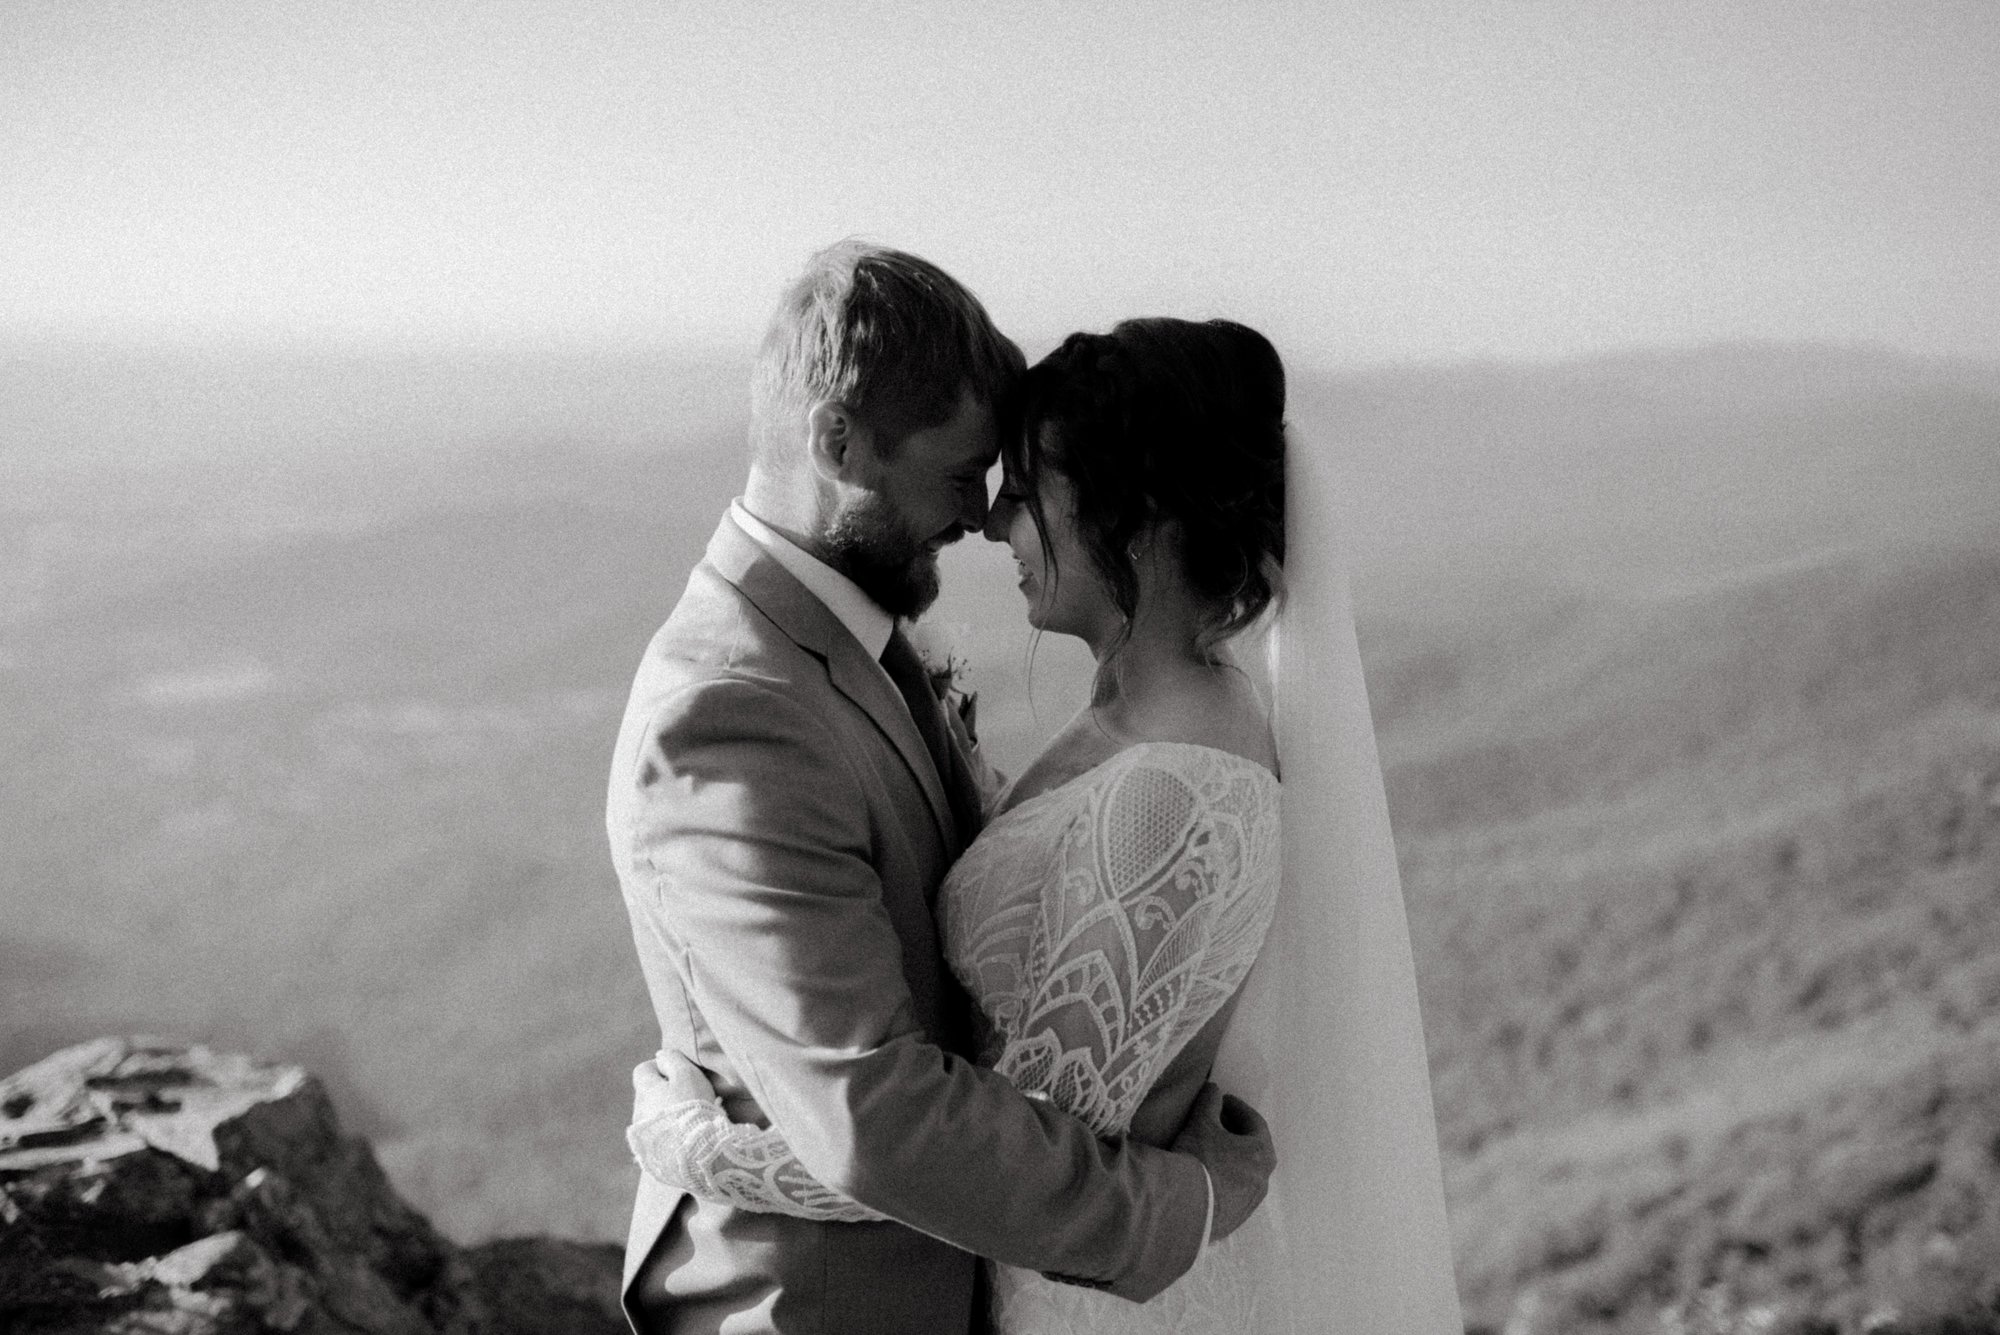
(1165, 420)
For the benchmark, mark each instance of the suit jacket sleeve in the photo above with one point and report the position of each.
(753, 844)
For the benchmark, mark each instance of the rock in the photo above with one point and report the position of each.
(161, 1187)
(542, 1284)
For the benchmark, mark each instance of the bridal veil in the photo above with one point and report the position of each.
(1327, 1041)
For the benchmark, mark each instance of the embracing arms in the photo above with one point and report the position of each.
(1114, 983)
(746, 846)
(681, 1135)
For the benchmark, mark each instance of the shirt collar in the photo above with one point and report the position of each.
(855, 610)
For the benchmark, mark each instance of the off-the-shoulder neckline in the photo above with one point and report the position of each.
(1122, 753)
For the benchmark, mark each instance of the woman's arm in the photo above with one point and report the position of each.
(681, 1136)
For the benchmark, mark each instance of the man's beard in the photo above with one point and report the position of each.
(871, 545)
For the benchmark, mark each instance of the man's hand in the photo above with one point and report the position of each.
(1234, 1143)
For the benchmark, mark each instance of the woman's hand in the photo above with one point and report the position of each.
(667, 1079)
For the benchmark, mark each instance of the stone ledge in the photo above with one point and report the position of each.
(147, 1185)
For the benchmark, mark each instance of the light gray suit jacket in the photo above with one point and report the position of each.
(779, 832)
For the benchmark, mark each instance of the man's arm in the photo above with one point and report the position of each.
(752, 846)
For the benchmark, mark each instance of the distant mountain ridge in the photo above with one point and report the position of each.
(1469, 481)
(1629, 471)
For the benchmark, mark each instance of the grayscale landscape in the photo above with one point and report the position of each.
(1685, 662)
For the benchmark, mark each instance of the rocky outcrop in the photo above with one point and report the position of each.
(157, 1187)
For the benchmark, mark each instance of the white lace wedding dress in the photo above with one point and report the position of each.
(1098, 926)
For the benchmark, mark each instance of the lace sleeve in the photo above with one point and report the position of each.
(1161, 901)
(693, 1145)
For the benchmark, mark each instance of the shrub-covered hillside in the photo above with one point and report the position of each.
(1707, 892)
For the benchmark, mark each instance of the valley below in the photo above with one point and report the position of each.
(1685, 668)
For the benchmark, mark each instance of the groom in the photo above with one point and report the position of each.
(786, 796)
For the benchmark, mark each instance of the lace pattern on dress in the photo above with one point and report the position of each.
(1100, 925)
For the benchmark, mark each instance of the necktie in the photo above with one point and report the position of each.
(905, 669)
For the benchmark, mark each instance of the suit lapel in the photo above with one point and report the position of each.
(794, 610)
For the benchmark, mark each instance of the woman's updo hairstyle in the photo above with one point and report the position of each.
(1160, 421)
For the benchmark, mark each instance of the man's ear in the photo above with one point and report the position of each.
(834, 440)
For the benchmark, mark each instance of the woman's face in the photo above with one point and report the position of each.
(1065, 595)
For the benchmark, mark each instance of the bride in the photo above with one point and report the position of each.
(1107, 919)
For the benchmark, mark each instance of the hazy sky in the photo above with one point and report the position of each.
(1367, 181)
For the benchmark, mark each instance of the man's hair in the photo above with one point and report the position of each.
(894, 338)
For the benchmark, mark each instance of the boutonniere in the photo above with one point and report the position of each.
(950, 677)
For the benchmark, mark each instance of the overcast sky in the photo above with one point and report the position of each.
(1367, 181)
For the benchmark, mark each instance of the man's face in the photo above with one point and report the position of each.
(908, 506)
